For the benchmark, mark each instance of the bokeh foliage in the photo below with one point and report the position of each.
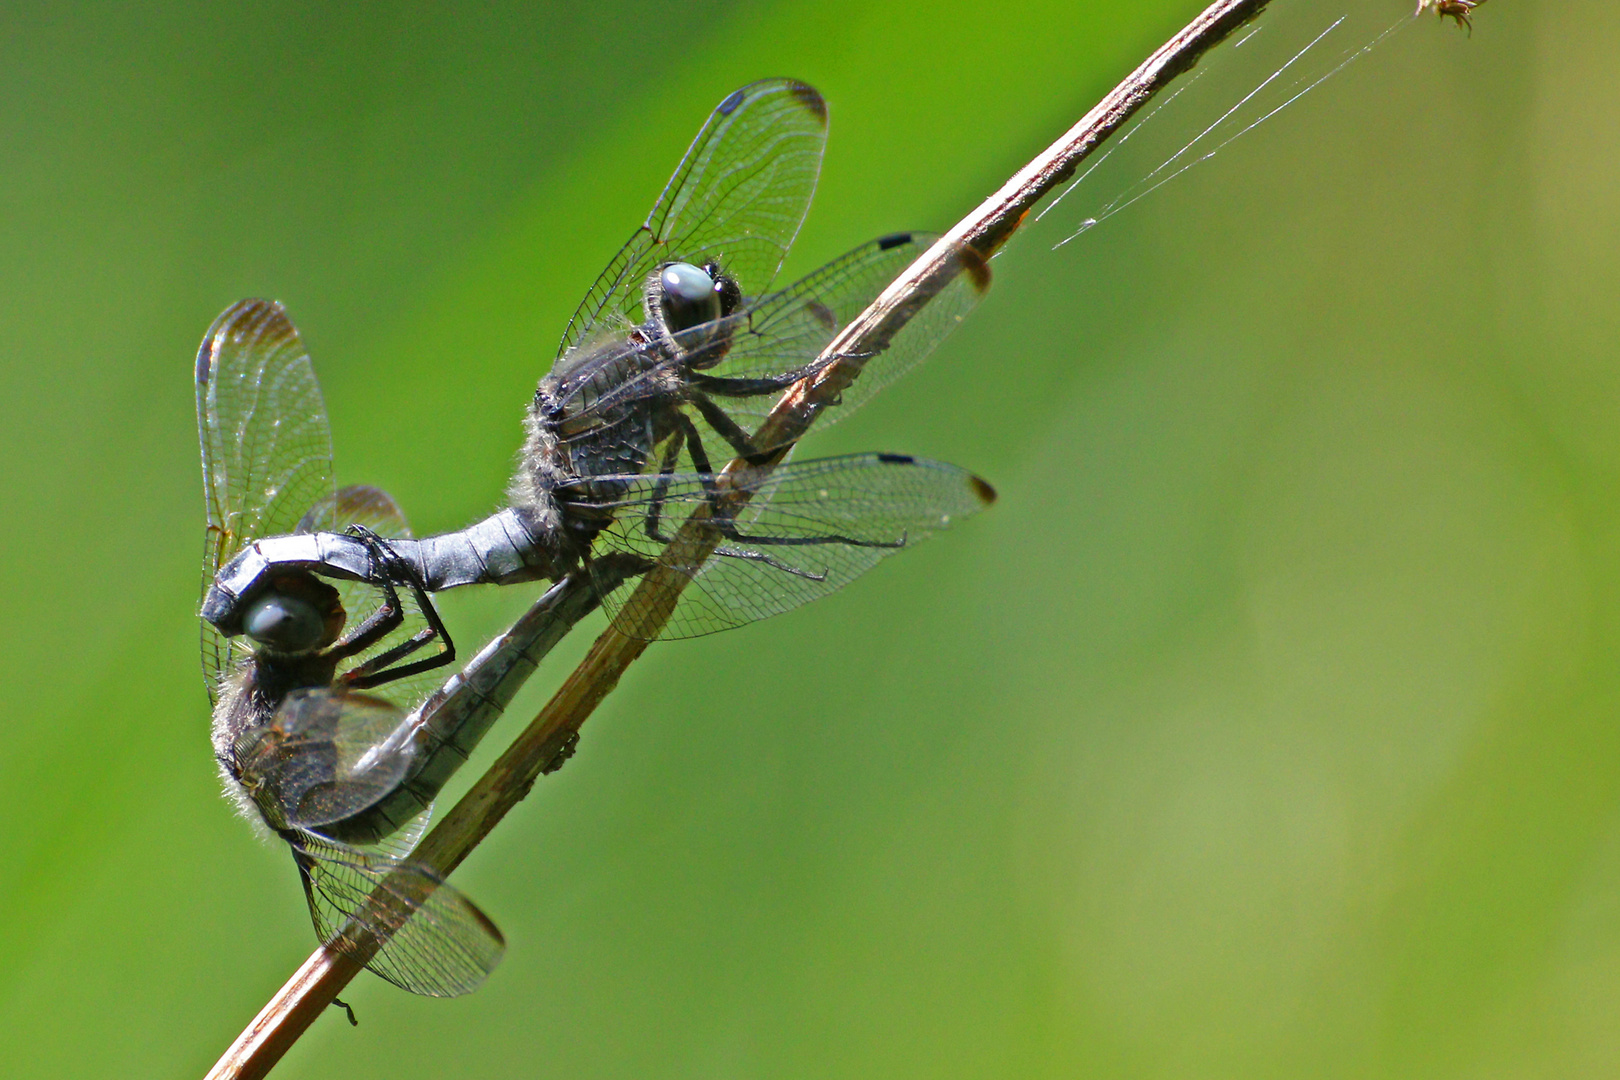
(1267, 726)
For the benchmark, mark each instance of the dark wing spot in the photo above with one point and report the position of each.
(984, 491)
(493, 931)
(976, 267)
(809, 97)
(205, 359)
(822, 314)
(1019, 224)
(897, 459)
(734, 99)
(893, 240)
(275, 326)
(243, 321)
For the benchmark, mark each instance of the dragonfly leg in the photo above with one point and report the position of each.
(379, 670)
(686, 432)
(655, 508)
(769, 384)
(730, 532)
(686, 435)
(727, 524)
(775, 564)
(694, 447)
(727, 428)
(378, 625)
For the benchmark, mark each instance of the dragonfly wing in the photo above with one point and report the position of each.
(784, 330)
(326, 756)
(917, 339)
(808, 529)
(738, 196)
(266, 444)
(399, 845)
(743, 364)
(357, 504)
(401, 920)
(773, 338)
(784, 334)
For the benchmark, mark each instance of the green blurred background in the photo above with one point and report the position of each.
(1268, 726)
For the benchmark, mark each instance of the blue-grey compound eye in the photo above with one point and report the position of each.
(689, 299)
(284, 623)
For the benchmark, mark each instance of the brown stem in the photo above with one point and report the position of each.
(964, 248)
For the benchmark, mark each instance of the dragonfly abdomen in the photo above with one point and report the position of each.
(502, 549)
(463, 710)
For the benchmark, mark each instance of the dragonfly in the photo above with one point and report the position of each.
(311, 726)
(678, 350)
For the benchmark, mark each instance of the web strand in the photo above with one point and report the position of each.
(1135, 192)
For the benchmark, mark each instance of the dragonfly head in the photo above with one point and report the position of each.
(692, 306)
(681, 297)
(294, 613)
(685, 296)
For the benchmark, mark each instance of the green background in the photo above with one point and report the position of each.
(1268, 726)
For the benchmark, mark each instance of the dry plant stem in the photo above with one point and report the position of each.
(295, 1006)
(506, 783)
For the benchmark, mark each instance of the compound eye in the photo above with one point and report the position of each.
(689, 296)
(287, 624)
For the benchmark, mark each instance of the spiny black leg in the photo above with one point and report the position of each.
(790, 541)
(727, 524)
(387, 619)
(376, 671)
(775, 564)
(769, 384)
(686, 436)
(700, 461)
(655, 508)
(766, 384)
(339, 1003)
(694, 446)
(806, 541)
(429, 612)
(727, 428)
(378, 625)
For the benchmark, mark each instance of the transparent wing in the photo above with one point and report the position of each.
(782, 332)
(808, 529)
(738, 196)
(325, 756)
(734, 374)
(266, 445)
(909, 346)
(403, 921)
(773, 341)
(356, 504)
(398, 845)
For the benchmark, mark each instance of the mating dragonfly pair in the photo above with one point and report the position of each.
(320, 638)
